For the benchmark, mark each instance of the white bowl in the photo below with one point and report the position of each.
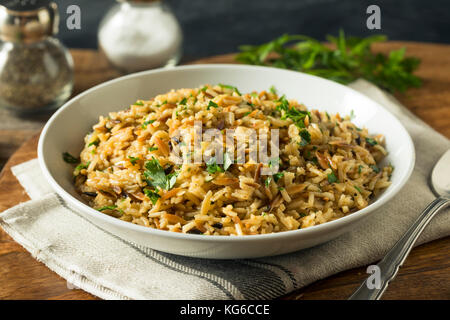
(67, 127)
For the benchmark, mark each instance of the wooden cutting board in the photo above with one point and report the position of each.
(425, 275)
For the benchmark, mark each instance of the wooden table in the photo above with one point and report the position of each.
(425, 275)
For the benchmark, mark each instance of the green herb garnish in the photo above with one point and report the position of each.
(67, 157)
(371, 141)
(306, 138)
(156, 177)
(375, 168)
(267, 181)
(153, 196)
(152, 148)
(113, 207)
(278, 176)
(274, 162)
(139, 103)
(360, 168)
(230, 87)
(273, 90)
(227, 162)
(297, 116)
(332, 177)
(352, 115)
(359, 190)
(315, 161)
(133, 160)
(171, 180)
(212, 166)
(212, 104)
(349, 59)
(82, 166)
(183, 101)
(146, 123)
(163, 103)
(94, 143)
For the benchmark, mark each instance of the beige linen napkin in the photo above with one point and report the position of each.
(112, 268)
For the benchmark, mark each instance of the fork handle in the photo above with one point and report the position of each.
(394, 259)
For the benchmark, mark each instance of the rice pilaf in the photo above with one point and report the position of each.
(328, 167)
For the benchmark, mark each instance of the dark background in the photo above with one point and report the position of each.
(219, 26)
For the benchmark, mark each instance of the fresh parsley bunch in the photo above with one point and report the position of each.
(349, 60)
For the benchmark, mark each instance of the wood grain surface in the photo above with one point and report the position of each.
(425, 275)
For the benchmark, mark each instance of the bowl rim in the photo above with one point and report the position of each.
(328, 226)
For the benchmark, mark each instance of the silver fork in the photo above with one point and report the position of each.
(393, 260)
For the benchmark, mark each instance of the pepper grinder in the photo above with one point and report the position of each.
(36, 70)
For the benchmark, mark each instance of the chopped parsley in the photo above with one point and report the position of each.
(212, 166)
(163, 103)
(133, 160)
(82, 166)
(297, 116)
(315, 161)
(332, 177)
(371, 141)
(273, 90)
(274, 162)
(153, 196)
(152, 148)
(359, 168)
(359, 190)
(227, 162)
(352, 115)
(67, 157)
(278, 176)
(156, 177)
(247, 113)
(375, 168)
(183, 101)
(138, 103)
(230, 87)
(306, 137)
(212, 104)
(94, 143)
(146, 123)
(172, 179)
(267, 181)
(113, 207)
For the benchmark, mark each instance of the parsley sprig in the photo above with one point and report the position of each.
(305, 138)
(212, 166)
(350, 59)
(297, 116)
(156, 177)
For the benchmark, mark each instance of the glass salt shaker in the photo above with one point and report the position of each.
(137, 35)
(36, 70)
